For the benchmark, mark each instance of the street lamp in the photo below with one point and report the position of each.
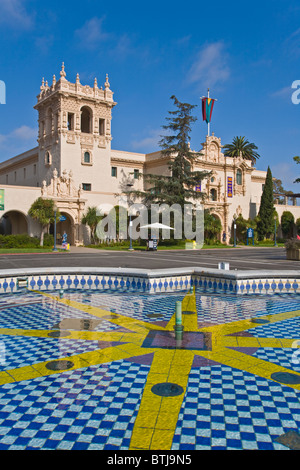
(234, 230)
(275, 220)
(55, 212)
(129, 185)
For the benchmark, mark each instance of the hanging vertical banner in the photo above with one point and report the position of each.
(229, 186)
(198, 188)
(207, 108)
(1, 199)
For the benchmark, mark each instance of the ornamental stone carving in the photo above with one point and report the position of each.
(239, 210)
(61, 186)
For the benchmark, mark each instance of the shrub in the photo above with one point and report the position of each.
(211, 241)
(287, 223)
(48, 240)
(292, 244)
(18, 241)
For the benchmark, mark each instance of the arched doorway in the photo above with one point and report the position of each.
(212, 227)
(218, 226)
(66, 225)
(13, 223)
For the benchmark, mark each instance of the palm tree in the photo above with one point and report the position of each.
(241, 146)
(91, 218)
(42, 210)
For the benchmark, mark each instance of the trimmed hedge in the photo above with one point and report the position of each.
(24, 241)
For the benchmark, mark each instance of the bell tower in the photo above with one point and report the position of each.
(75, 131)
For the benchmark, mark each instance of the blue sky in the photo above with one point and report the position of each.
(247, 53)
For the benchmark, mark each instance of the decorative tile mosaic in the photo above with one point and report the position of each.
(228, 409)
(120, 344)
(164, 283)
(86, 409)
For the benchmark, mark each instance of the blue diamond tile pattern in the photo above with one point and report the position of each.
(86, 409)
(228, 409)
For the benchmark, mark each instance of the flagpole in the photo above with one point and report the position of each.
(204, 104)
(208, 124)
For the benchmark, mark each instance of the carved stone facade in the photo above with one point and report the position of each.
(73, 119)
(68, 199)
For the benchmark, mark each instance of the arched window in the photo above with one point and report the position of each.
(101, 126)
(42, 128)
(87, 157)
(213, 195)
(49, 119)
(239, 176)
(86, 120)
(70, 121)
(47, 158)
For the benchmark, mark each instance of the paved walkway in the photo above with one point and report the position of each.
(245, 258)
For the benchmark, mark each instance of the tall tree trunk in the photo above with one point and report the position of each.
(42, 237)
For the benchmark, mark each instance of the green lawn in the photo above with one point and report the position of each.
(126, 248)
(27, 250)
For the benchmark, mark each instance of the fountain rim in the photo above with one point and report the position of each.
(151, 280)
(153, 273)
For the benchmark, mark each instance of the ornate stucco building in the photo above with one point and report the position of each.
(75, 165)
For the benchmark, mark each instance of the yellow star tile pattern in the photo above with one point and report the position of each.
(157, 417)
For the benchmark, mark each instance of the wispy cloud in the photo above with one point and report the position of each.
(292, 44)
(44, 43)
(287, 173)
(15, 14)
(210, 66)
(19, 140)
(183, 41)
(24, 133)
(121, 45)
(262, 63)
(124, 46)
(150, 142)
(284, 93)
(92, 33)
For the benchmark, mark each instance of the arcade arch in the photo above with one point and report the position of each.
(67, 226)
(13, 223)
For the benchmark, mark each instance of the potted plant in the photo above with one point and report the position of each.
(292, 247)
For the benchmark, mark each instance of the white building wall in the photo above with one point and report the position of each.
(19, 199)
(21, 170)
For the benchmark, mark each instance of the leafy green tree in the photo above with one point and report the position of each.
(91, 218)
(179, 186)
(276, 216)
(241, 146)
(266, 224)
(241, 228)
(212, 226)
(287, 224)
(42, 210)
(279, 192)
